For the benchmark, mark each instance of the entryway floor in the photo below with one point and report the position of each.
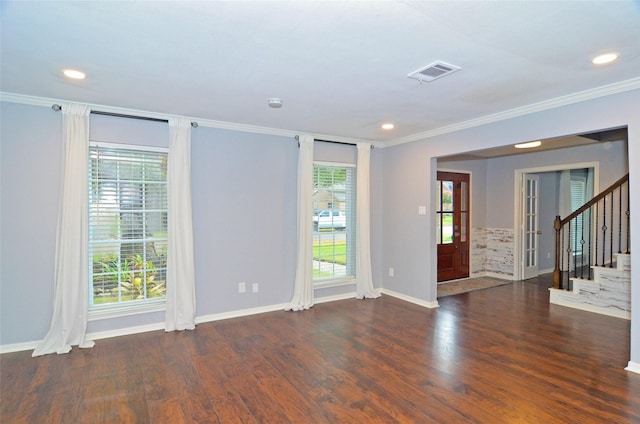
(448, 288)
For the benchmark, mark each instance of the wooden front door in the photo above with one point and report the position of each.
(453, 225)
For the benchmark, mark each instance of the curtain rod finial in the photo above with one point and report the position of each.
(194, 124)
(56, 107)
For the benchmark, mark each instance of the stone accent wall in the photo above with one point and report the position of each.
(492, 252)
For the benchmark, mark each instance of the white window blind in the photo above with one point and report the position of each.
(127, 225)
(333, 222)
(578, 198)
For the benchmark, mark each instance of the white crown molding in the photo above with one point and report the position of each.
(202, 122)
(605, 90)
(581, 96)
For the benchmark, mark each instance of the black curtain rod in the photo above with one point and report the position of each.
(122, 115)
(330, 141)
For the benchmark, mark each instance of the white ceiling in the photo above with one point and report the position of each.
(340, 67)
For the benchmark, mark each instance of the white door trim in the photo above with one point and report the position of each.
(518, 242)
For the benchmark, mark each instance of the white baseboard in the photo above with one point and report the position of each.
(19, 347)
(406, 298)
(633, 367)
(265, 309)
(335, 297)
(159, 326)
(127, 331)
(485, 274)
(507, 277)
(240, 313)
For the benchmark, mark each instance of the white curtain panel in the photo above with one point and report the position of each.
(71, 288)
(364, 279)
(303, 289)
(181, 294)
(564, 199)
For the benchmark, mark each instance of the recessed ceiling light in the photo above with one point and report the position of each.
(529, 145)
(604, 58)
(74, 74)
(274, 102)
(387, 126)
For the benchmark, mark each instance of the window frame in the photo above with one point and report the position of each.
(131, 307)
(350, 230)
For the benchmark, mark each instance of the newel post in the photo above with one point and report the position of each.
(556, 270)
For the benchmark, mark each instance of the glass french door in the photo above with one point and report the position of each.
(530, 225)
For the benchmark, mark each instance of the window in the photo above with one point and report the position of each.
(127, 226)
(333, 222)
(578, 198)
(445, 212)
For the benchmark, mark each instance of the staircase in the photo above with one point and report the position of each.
(608, 293)
(593, 260)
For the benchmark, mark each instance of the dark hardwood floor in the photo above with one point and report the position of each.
(500, 355)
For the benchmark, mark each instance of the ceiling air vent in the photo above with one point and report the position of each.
(433, 71)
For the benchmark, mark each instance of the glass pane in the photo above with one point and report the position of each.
(534, 206)
(447, 195)
(463, 226)
(463, 196)
(127, 225)
(333, 222)
(447, 228)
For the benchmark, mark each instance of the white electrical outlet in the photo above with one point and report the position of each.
(242, 287)
(390, 272)
(254, 287)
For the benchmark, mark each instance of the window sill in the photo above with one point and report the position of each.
(323, 284)
(113, 311)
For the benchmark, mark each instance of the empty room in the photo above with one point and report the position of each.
(319, 211)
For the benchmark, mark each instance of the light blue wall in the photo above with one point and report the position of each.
(406, 234)
(500, 173)
(30, 145)
(477, 169)
(244, 215)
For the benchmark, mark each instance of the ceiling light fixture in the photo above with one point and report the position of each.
(74, 74)
(604, 58)
(529, 145)
(387, 126)
(275, 103)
